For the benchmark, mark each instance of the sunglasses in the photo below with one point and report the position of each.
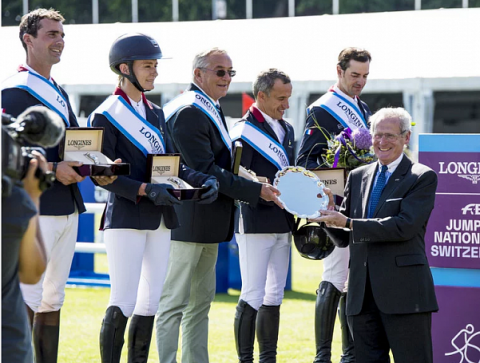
(221, 72)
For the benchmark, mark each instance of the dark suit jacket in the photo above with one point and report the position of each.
(202, 149)
(266, 217)
(313, 146)
(390, 245)
(60, 200)
(124, 208)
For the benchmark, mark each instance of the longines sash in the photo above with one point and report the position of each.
(262, 142)
(203, 103)
(342, 109)
(139, 131)
(42, 89)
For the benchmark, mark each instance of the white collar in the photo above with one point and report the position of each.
(133, 102)
(30, 69)
(265, 116)
(205, 93)
(339, 91)
(393, 165)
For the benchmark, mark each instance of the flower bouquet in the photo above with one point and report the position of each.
(349, 149)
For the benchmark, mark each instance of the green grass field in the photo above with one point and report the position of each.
(84, 308)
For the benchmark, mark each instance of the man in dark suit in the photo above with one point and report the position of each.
(197, 127)
(263, 232)
(386, 209)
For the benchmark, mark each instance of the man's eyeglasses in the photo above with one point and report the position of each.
(388, 137)
(221, 72)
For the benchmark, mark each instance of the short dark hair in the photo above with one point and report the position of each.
(266, 80)
(30, 22)
(357, 54)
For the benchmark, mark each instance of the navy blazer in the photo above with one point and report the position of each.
(265, 217)
(60, 200)
(389, 248)
(314, 144)
(202, 148)
(125, 209)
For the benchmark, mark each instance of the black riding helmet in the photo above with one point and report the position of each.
(312, 242)
(130, 47)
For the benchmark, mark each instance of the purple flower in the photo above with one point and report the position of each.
(362, 139)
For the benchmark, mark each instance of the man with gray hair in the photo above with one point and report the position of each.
(263, 232)
(383, 219)
(197, 127)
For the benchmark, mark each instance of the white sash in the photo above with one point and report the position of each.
(344, 111)
(42, 89)
(262, 142)
(139, 131)
(202, 102)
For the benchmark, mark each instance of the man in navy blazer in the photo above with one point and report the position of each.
(263, 232)
(197, 127)
(41, 34)
(383, 220)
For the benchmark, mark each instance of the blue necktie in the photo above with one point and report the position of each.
(377, 191)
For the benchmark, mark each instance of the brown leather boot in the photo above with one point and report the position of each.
(46, 332)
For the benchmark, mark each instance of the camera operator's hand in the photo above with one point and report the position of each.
(65, 173)
(105, 180)
(30, 183)
(159, 194)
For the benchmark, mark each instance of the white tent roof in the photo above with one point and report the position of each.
(410, 48)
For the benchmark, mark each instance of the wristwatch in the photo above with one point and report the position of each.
(54, 167)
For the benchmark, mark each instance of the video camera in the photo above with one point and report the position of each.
(37, 125)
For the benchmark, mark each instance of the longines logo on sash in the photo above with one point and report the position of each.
(146, 137)
(343, 110)
(466, 170)
(79, 144)
(42, 89)
(258, 139)
(150, 136)
(203, 103)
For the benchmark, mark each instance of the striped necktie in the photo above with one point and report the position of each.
(377, 191)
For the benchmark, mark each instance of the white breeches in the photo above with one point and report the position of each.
(59, 235)
(137, 263)
(264, 262)
(335, 268)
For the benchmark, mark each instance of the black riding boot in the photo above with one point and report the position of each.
(268, 322)
(244, 330)
(111, 335)
(46, 332)
(348, 350)
(139, 338)
(325, 314)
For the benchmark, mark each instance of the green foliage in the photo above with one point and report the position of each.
(112, 11)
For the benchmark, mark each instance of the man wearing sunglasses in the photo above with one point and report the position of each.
(198, 130)
(338, 109)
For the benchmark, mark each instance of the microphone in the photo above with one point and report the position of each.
(37, 125)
